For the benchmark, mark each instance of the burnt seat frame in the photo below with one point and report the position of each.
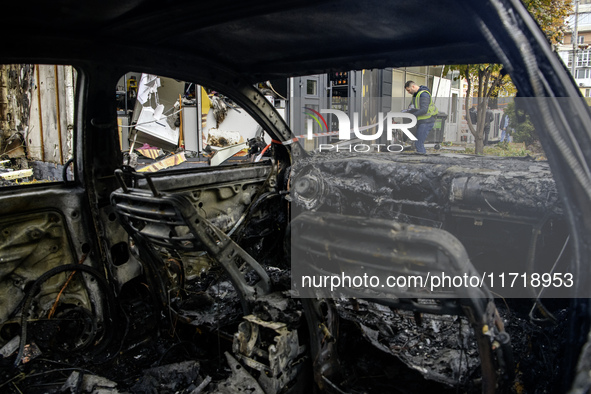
(326, 244)
(171, 221)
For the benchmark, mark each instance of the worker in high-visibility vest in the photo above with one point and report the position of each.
(423, 108)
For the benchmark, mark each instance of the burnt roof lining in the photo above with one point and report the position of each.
(257, 40)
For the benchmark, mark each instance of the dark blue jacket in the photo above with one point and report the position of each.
(423, 107)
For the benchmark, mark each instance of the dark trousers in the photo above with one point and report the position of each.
(423, 130)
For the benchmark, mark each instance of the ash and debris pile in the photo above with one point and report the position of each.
(190, 352)
(14, 171)
(538, 346)
(440, 347)
(439, 352)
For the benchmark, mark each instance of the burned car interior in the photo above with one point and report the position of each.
(211, 271)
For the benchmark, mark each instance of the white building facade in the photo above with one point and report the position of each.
(582, 55)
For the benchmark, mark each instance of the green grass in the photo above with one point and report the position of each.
(506, 149)
(503, 149)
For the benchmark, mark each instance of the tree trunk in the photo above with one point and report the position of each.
(486, 83)
(479, 130)
(479, 144)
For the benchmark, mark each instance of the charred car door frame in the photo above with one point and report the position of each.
(48, 228)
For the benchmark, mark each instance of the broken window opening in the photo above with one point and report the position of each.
(165, 123)
(37, 123)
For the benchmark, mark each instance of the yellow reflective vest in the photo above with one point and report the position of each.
(432, 111)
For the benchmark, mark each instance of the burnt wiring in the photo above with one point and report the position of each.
(22, 376)
(189, 346)
(270, 86)
(333, 386)
(537, 303)
(36, 287)
(65, 169)
(255, 202)
(258, 201)
(54, 307)
(493, 208)
(531, 254)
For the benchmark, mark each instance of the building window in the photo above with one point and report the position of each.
(583, 58)
(587, 92)
(583, 73)
(311, 86)
(581, 39)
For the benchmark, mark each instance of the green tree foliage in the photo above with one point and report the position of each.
(488, 80)
(485, 80)
(550, 15)
(520, 122)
